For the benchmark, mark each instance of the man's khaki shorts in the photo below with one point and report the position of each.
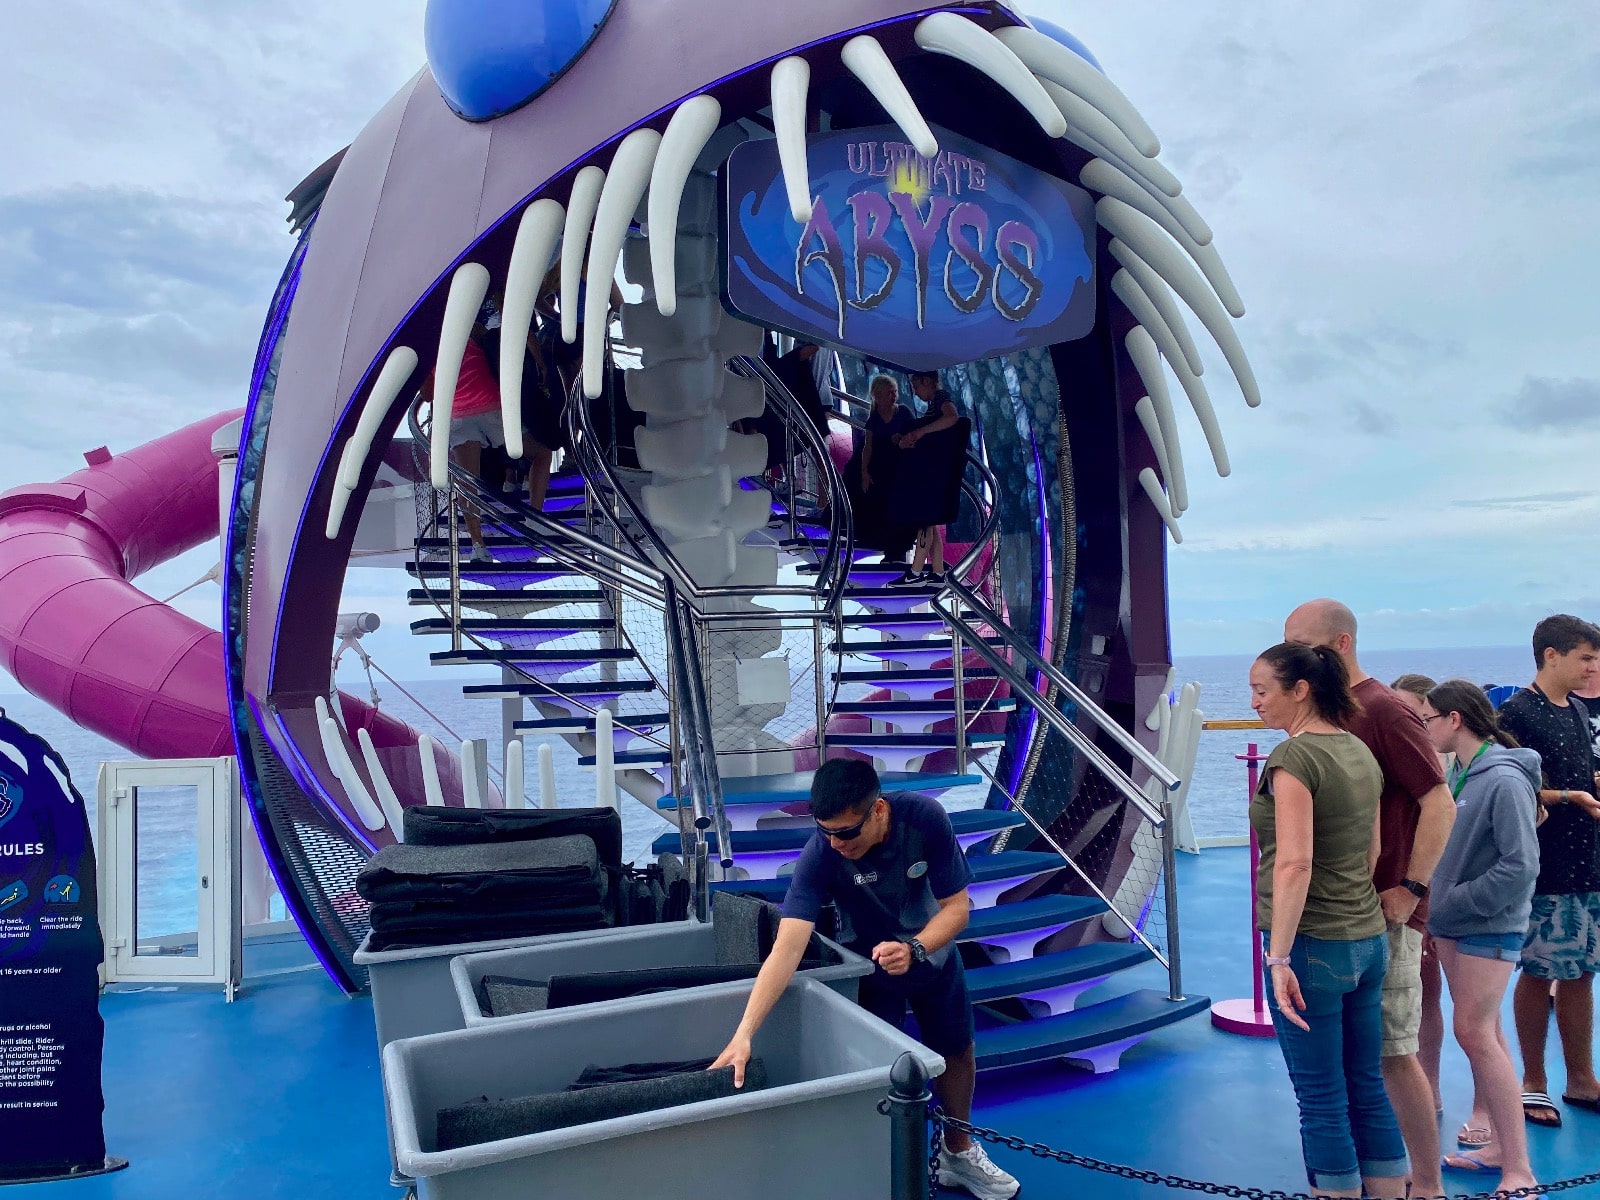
(1402, 992)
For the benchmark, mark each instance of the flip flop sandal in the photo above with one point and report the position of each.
(1533, 1102)
(1590, 1103)
(1474, 1137)
(1468, 1163)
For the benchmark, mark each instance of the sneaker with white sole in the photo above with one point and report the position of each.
(974, 1171)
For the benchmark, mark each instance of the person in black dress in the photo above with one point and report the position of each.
(933, 452)
(878, 465)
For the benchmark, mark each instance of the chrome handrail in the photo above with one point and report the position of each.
(1018, 680)
(1103, 720)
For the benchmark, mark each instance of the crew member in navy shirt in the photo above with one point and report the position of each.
(894, 869)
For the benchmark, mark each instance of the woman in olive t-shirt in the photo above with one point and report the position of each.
(1315, 814)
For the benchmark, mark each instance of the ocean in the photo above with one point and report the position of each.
(1217, 796)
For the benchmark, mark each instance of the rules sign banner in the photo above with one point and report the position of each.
(51, 1034)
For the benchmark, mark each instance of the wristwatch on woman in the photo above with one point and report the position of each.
(1274, 961)
(1419, 890)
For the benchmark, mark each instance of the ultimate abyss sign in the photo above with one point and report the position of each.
(50, 950)
(922, 262)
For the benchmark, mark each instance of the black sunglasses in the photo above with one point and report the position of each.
(850, 832)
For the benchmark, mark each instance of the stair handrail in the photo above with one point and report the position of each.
(834, 567)
(595, 465)
(1102, 719)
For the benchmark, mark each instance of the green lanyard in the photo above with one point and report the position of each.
(1461, 780)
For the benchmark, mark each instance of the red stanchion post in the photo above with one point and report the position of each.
(1249, 1017)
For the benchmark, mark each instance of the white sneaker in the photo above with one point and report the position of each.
(975, 1172)
(480, 553)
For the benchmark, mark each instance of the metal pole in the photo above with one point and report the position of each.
(908, 1129)
(1253, 770)
(455, 568)
(959, 678)
(1169, 868)
(822, 699)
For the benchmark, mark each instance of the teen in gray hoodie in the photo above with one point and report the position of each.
(1480, 899)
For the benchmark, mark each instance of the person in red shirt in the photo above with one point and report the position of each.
(1415, 814)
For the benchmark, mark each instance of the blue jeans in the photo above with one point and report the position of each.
(1347, 1129)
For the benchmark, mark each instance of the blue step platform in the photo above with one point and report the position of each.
(1009, 932)
(748, 799)
(592, 690)
(1052, 983)
(538, 662)
(762, 851)
(510, 601)
(991, 875)
(520, 633)
(1095, 1036)
(647, 759)
(493, 574)
(582, 723)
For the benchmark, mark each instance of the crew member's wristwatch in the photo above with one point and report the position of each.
(919, 952)
(1419, 890)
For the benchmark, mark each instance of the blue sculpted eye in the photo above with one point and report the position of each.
(1053, 31)
(492, 56)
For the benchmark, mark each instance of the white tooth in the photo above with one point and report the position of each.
(1145, 410)
(687, 133)
(397, 369)
(431, 789)
(547, 778)
(865, 58)
(1144, 311)
(468, 286)
(791, 82)
(1105, 173)
(516, 797)
(1152, 488)
(339, 759)
(625, 187)
(581, 205)
(1104, 177)
(471, 794)
(535, 247)
(1146, 360)
(1169, 267)
(1086, 119)
(949, 34)
(393, 812)
(1045, 56)
(605, 760)
(1154, 287)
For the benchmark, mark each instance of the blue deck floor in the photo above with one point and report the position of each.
(279, 1096)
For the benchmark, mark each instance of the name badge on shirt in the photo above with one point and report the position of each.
(916, 870)
(864, 878)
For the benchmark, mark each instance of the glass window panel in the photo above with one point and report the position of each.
(166, 878)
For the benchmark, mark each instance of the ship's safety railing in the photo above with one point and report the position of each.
(1144, 904)
(620, 571)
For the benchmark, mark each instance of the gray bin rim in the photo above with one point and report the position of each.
(850, 965)
(417, 1163)
(374, 958)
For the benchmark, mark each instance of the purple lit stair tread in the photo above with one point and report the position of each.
(776, 791)
(632, 758)
(1081, 964)
(578, 654)
(493, 626)
(945, 709)
(589, 689)
(585, 724)
(1011, 865)
(1124, 1018)
(1041, 912)
(912, 741)
(513, 599)
(892, 679)
(756, 841)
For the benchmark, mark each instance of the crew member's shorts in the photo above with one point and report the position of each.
(1402, 993)
(1563, 936)
(937, 997)
(483, 428)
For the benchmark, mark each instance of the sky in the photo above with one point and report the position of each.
(1405, 196)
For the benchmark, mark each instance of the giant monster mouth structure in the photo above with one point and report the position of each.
(610, 148)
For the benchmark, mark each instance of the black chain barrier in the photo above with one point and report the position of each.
(942, 1121)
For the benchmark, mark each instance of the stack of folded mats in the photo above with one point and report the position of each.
(598, 1094)
(743, 930)
(439, 895)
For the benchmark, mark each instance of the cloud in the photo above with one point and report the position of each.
(1553, 404)
(1535, 503)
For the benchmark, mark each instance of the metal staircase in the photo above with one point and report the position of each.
(606, 637)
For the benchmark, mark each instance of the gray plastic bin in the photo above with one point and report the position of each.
(676, 945)
(411, 989)
(813, 1132)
